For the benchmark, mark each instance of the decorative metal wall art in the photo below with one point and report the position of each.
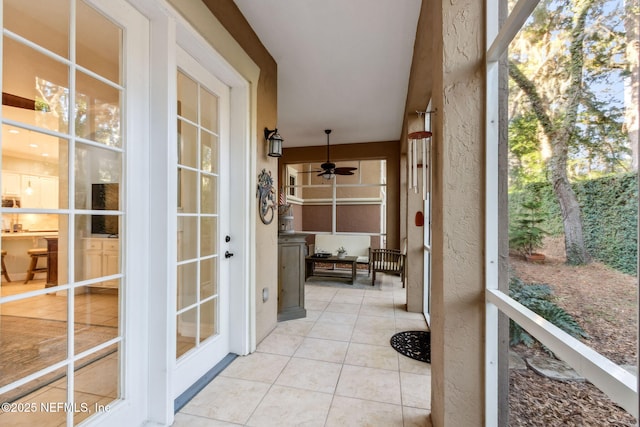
(266, 197)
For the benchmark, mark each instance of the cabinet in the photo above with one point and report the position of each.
(10, 184)
(39, 192)
(292, 250)
(101, 258)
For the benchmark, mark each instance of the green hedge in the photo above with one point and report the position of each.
(609, 215)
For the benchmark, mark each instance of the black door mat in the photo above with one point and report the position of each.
(413, 344)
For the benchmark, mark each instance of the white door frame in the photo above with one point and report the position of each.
(169, 30)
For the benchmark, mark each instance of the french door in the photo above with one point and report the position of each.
(71, 126)
(202, 293)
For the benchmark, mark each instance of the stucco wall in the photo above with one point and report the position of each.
(236, 44)
(458, 241)
(448, 66)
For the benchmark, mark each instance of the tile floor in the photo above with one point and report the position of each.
(333, 368)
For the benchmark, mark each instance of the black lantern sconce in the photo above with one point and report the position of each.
(275, 142)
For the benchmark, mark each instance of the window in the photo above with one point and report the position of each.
(344, 204)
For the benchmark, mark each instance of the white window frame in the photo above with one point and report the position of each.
(619, 385)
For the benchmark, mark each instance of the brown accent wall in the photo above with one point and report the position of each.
(389, 151)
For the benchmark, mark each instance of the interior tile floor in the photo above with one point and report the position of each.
(333, 368)
(96, 383)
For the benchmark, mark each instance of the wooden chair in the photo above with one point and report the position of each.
(5, 273)
(390, 261)
(35, 255)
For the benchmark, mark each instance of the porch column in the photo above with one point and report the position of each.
(457, 313)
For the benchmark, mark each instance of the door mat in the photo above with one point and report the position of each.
(413, 344)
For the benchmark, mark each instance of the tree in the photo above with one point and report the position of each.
(561, 63)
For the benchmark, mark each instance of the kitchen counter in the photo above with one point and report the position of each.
(26, 234)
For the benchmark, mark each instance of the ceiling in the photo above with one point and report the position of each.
(342, 65)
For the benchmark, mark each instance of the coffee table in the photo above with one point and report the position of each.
(311, 261)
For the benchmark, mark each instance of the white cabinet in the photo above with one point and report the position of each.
(101, 258)
(49, 196)
(39, 192)
(10, 184)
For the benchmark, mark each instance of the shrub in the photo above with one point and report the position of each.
(538, 298)
(525, 235)
(609, 208)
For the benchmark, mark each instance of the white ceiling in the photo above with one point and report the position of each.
(342, 65)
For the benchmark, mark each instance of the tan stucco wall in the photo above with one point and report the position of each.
(235, 40)
(364, 151)
(448, 65)
(458, 217)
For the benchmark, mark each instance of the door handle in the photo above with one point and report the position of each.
(228, 254)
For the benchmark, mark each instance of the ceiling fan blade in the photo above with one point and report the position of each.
(344, 171)
(18, 101)
(313, 171)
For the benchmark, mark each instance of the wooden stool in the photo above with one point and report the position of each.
(4, 267)
(35, 254)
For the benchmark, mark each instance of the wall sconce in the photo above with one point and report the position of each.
(275, 142)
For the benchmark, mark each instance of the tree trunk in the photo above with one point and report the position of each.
(631, 87)
(572, 222)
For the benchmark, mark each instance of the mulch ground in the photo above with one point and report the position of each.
(604, 302)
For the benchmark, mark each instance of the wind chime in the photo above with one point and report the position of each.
(418, 152)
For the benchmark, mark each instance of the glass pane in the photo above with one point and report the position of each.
(98, 111)
(187, 190)
(373, 171)
(187, 144)
(358, 218)
(208, 236)
(187, 237)
(33, 335)
(323, 191)
(187, 284)
(97, 255)
(316, 218)
(96, 316)
(208, 278)
(208, 323)
(352, 193)
(186, 327)
(209, 154)
(37, 92)
(209, 195)
(208, 110)
(44, 22)
(187, 98)
(40, 398)
(98, 54)
(34, 168)
(36, 256)
(96, 383)
(348, 179)
(96, 168)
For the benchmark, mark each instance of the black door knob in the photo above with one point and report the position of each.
(228, 254)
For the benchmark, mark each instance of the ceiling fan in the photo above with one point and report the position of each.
(329, 169)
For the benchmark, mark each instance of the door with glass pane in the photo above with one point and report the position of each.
(63, 151)
(202, 197)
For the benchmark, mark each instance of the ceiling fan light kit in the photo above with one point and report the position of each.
(328, 169)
